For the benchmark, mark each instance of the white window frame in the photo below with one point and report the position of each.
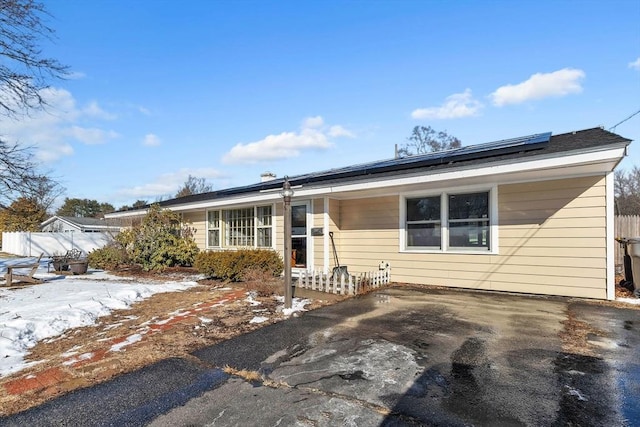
(259, 226)
(246, 225)
(209, 228)
(223, 227)
(444, 220)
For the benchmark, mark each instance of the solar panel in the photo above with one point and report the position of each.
(471, 152)
(477, 151)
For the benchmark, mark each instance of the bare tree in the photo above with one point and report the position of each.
(194, 185)
(425, 139)
(19, 177)
(24, 73)
(627, 191)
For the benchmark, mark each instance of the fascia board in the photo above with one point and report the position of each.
(495, 170)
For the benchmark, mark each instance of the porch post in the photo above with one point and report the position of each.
(286, 193)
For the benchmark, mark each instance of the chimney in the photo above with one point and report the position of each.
(267, 176)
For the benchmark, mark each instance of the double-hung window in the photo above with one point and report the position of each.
(213, 228)
(263, 227)
(448, 222)
(423, 225)
(469, 220)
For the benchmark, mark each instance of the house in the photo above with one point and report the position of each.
(70, 224)
(532, 214)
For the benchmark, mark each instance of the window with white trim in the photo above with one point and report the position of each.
(239, 227)
(242, 227)
(423, 226)
(213, 228)
(263, 227)
(469, 220)
(448, 221)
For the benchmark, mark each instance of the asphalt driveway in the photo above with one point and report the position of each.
(400, 356)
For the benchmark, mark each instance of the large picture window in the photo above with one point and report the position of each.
(239, 227)
(448, 222)
(244, 227)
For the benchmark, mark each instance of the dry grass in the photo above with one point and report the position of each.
(251, 376)
(220, 322)
(575, 335)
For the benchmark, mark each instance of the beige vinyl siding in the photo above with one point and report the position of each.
(334, 221)
(551, 241)
(368, 233)
(197, 221)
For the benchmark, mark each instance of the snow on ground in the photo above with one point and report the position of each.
(36, 312)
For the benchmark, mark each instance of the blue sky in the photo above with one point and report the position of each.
(227, 90)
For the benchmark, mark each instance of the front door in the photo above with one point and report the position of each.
(299, 236)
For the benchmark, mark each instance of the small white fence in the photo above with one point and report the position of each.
(346, 284)
(34, 244)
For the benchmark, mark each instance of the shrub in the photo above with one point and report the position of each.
(159, 241)
(235, 265)
(109, 257)
(262, 282)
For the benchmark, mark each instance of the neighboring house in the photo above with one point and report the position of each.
(69, 224)
(531, 214)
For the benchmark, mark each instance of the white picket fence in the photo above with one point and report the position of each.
(33, 244)
(346, 285)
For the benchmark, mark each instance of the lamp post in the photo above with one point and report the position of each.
(286, 194)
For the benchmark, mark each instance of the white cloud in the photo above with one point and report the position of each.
(313, 122)
(338, 131)
(314, 135)
(635, 64)
(540, 85)
(53, 130)
(94, 110)
(91, 136)
(167, 184)
(455, 106)
(151, 140)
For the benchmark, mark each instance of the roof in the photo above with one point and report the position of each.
(82, 222)
(515, 149)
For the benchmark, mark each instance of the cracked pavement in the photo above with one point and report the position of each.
(399, 356)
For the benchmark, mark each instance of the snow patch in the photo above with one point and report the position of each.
(44, 312)
(130, 340)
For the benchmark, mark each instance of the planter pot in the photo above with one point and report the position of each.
(79, 267)
(60, 266)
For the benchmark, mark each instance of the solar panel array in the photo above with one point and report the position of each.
(471, 152)
(478, 151)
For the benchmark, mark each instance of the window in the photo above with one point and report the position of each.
(213, 228)
(252, 227)
(263, 225)
(448, 221)
(469, 220)
(423, 222)
(239, 227)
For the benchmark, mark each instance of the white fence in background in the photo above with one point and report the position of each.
(346, 284)
(34, 244)
(625, 226)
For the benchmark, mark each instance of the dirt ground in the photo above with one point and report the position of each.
(163, 326)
